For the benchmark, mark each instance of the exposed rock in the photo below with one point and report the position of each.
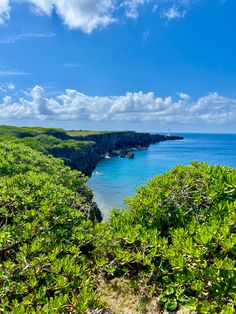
(84, 159)
(100, 311)
(127, 155)
(182, 311)
(93, 212)
(105, 145)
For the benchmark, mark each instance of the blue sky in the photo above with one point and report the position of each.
(119, 64)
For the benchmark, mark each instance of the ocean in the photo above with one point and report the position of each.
(116, 179)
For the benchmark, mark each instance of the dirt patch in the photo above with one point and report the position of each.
(121, 299)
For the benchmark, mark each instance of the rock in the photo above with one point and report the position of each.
(181, 311)
(127, 155)
(142, 147)
(107, 156)
(93, 212)
(100, 311)
(116, 152)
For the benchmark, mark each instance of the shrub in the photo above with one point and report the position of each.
(177, 239)
(45, 237)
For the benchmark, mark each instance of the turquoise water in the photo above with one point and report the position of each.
(117, 178)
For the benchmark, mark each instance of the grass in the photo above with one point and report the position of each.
(87, 133)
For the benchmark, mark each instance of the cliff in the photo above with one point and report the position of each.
(83, 158)
(86, 159)
(81, 150)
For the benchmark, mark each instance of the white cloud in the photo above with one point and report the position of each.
(86, 15)
(173, 9)
(71, 65)
(6, 73)
(75, 106)
(132, 7)
(173, 13)
(24, 36)
(145, 35)
(89, 15)
(11, 86)
(4, 88)
(4, 11)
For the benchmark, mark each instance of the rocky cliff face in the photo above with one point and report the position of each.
(117, 140)
(86, 158)
(83, 159)
(82, 150)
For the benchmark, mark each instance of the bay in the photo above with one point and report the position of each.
(116, 178)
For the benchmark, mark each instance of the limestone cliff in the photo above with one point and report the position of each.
(86, 158)
(79, 149)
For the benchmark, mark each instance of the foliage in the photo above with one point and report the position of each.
(177, 239)
(69, 150)
(74, 133)
(45, 237)
(30, 131)
(57, 132)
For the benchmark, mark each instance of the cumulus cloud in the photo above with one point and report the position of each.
(132, 107)
(88, 15)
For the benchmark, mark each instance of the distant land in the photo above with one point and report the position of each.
(81, 150)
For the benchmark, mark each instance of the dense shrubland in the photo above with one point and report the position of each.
(175, 241)
(80, 155)
(45, 140)
(45, 236)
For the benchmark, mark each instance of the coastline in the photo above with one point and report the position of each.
(118, 178)
(104, 207)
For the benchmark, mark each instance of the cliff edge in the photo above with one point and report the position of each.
(81, 150)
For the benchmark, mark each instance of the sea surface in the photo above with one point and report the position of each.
(116, 179)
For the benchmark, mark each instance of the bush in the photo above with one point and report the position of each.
(177, 239)
(45, 237)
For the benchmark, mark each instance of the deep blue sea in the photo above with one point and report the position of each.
(117, 178)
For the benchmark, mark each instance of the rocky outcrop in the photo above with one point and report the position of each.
(83, 158)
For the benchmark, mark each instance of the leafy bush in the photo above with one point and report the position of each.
(177, 239)
(45, 237)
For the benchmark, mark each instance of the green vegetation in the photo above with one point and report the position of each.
(57, 132)
(45, 236)
(174, 243)
(48, 141)
(75, 133)
(177, 240)
(40, 139)
(29, 131)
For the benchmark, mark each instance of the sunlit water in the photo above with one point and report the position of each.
(117, 178)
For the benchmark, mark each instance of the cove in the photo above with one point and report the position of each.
(117, 178)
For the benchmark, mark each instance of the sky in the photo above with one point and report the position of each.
(145, 65)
